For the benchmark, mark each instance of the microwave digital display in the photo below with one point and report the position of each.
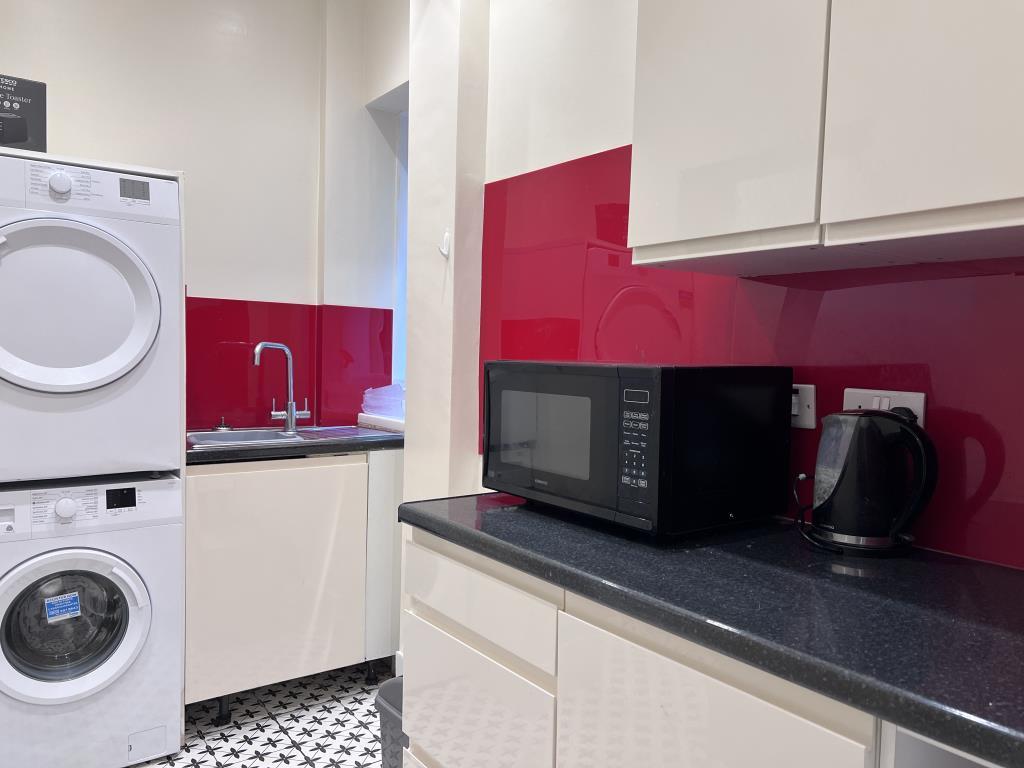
(636, 396)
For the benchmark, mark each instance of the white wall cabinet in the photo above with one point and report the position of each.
(924, 118)
(749, 151)
(727, 127)
(622, 704)
(275, 571)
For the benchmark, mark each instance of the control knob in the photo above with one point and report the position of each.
(66, 508)
(60, 183)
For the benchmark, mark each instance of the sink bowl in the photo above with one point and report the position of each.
(239, 437)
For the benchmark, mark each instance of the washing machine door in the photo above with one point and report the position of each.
(78, 308)
(74, 621)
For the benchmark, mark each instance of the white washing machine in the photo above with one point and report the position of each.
(91, 320)
(91, 622)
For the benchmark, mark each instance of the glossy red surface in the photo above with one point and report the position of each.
(221, 380)
(338, 352)
(355, 354)
(558, 285)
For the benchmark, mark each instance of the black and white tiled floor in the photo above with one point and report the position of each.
(323, 721)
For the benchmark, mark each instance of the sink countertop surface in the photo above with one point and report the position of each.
(931, 642)
(314, 441)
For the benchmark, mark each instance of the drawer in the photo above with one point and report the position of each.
(464, 710)
(628, 705)
(518, 622)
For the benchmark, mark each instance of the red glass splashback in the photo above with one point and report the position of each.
(355, 355)
(558, 285)
(338, 352)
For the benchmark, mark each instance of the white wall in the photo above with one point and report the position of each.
(227, 91)
(362, 155)
(556, 77)
(561, 81)
(447, 128)
(386, 31)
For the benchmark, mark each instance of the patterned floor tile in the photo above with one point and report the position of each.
(323, 721)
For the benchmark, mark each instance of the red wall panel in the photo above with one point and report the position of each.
(355, 355)
(558, 285)
(338, 353)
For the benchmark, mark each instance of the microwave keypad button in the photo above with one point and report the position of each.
(643, 483)
(643, 425)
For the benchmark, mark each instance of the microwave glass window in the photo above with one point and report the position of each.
(546, 433)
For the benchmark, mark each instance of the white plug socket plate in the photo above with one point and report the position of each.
(884, 400)
(804, 411)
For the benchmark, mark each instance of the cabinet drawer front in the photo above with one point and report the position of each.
(622, 704)
(518, 622)
(465, 710)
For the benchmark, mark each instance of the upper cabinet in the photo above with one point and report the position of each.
(727, 126)
(781, 137)
(925, 116)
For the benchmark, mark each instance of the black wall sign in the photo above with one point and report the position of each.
(22, 113)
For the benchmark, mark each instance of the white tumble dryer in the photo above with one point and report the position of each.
(91, 320)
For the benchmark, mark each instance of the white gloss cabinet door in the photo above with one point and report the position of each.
(275, 563)
(622, 705)
(727, 126)
(925, 112)
(465, 710)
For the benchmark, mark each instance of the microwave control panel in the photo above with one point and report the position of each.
(636, 463)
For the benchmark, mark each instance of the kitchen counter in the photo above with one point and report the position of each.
(326, 441)
(929, 642)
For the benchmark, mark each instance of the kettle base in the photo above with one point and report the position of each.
(856, 545)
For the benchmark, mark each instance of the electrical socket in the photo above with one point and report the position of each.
(804, 413)
(884, 400)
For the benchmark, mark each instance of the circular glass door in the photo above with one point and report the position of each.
(73, 621)
(78, 308)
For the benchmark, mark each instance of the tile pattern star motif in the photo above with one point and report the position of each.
(322, 721)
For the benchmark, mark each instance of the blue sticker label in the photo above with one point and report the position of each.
(62, 607)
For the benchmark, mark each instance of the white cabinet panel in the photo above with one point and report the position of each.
(727, 126)
(620, 704)
(924, 108)
(520, 623)
(383, 552)
(275, 571)
(465, 710)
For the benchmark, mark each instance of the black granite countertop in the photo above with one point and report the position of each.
(930, 642)
(326, 441)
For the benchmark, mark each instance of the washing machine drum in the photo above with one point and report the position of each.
(40, 639)
(73, 621)
(78, 307)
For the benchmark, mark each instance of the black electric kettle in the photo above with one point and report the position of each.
(876, 471)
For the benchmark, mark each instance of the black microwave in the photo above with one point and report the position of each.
(664, 449)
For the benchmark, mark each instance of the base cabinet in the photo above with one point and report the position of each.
(275, 571)
(466, 710)
(620, 704)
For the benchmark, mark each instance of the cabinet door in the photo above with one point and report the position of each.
(925, 113)
(620, 704)
(275, 571)
(466, 710)
(727, 126)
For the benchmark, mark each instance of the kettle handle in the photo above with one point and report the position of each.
(922, 452)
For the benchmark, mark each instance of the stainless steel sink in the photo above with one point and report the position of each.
(239, 438)
(254, 438)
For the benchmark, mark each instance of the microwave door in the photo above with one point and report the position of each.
(554, 435)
